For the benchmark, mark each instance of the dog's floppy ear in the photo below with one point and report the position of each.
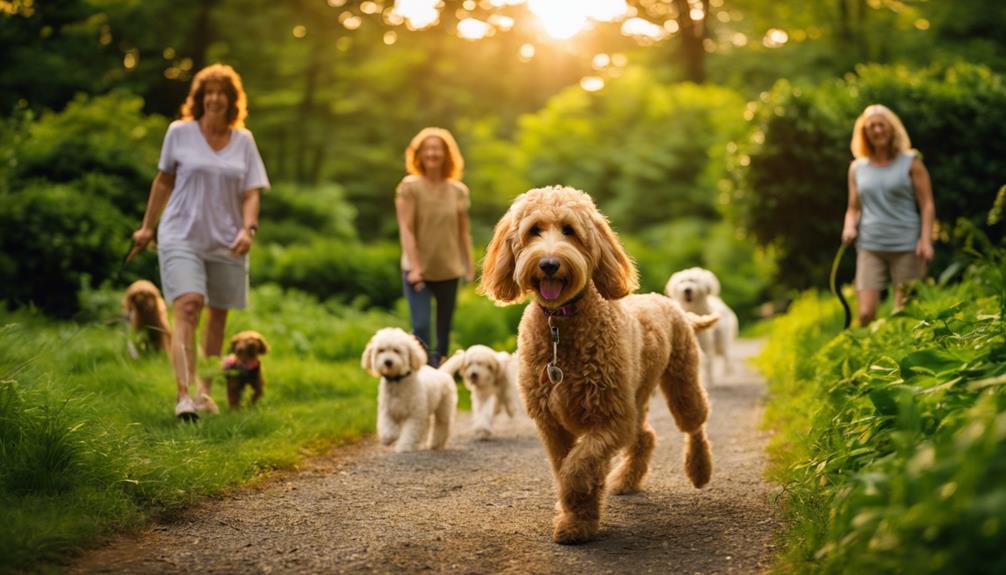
(263, 347)
(615, 275)
(499, 264)
(367, 360)
(417, 355)
(234, 342)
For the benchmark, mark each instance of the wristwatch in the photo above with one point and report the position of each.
(253, 229)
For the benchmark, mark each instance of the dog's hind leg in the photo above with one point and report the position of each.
(628, 476)
(689, 405)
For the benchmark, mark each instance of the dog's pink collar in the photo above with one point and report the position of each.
(232, 362)
(565, 310)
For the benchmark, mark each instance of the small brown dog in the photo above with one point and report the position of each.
(243, 367)
(147, 315)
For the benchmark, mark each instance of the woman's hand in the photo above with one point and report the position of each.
(141, 238)
(924, 249)
(470, 275)
(848, 235)
(415, 279)
(242, 243)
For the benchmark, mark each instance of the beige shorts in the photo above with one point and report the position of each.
(220, 278)
(877, 270)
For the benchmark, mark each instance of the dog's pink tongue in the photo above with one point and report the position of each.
(550, 288)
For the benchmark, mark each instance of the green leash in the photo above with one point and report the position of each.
(834, 285)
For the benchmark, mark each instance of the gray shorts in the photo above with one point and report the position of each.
(877, 270)
(219, 277)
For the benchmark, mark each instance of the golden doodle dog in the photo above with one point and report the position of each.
(243, 367)
(491, 377)
(591, 354)
(411, 392)
(148, 316)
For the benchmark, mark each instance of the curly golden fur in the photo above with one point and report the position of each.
(614, 350)
(148, 315)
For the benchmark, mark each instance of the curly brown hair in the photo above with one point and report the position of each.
(237, 101)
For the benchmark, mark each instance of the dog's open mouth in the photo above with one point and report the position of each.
(550, 288)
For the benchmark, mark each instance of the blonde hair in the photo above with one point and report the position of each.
(237, 101)
(861, 147)
(454, 164)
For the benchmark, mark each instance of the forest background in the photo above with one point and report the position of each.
(711, 132)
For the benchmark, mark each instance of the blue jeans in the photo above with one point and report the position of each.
(420, 304)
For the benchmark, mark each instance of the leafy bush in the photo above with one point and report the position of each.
(645, 151)
(53, 239)
(367, 275)
(293, 214)
(792, 172)
(892, 439)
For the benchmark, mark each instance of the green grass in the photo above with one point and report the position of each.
(891, 440)
(88, 440)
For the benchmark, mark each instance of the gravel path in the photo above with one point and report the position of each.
(479, 507)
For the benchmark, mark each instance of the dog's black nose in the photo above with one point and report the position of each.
(387, 363)
(549, 265)
(688, 291)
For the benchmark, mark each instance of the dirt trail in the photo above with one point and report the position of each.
(479, 507)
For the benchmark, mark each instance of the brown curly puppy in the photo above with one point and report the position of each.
(244, 367)
(613, 349)
(148, 315)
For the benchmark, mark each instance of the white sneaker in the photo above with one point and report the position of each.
(206, 403)
(185, 409)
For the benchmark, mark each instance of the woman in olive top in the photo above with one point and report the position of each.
(432, 208)
(890, 213)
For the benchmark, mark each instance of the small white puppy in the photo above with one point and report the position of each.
(698, 291)
(411, 392)
(491, 377)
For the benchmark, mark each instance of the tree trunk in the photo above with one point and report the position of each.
(693, 33)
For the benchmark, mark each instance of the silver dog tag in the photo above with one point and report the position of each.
(554, 373)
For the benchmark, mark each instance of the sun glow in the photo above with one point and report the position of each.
(562, 19)
(418, 14)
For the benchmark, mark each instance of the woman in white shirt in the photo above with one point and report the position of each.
(208, 183)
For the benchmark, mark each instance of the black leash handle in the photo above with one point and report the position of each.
(834, 285)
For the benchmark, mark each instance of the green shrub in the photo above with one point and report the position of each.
(891, 440)
(646, 152)
(53, 239)
(294, 214)
(364, 274)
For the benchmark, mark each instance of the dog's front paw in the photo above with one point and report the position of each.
(482, 433)
(405, 447)
(569, 530)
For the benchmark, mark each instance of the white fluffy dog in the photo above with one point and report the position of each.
(491, 377)
(698, 291)
(411, 392)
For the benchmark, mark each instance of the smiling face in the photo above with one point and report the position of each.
(216, 103)
(554, 261)
(878, 131)
(551, 243)
(431, 154)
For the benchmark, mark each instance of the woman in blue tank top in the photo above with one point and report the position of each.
(890, 213)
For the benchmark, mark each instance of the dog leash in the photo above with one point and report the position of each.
(834, 285)
(552, 369)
